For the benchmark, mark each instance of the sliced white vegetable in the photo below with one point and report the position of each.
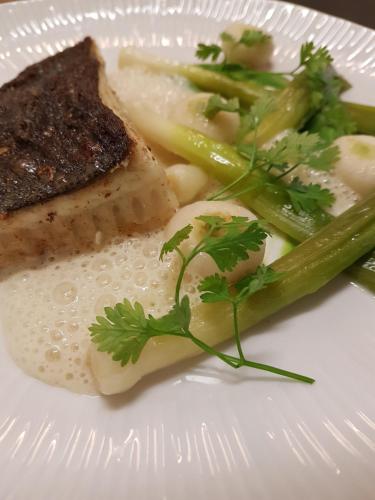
(203, 265)
(187, 181)
(356, 166)
(258, 56)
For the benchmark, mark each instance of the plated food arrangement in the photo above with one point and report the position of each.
(148, 215)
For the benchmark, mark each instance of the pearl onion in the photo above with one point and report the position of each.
(203, 265)
(187, 181)
(257, 56)
(356, 166)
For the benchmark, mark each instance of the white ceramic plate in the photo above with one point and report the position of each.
(200, 430)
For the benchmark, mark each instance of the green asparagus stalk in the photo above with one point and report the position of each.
(292, 109)
(316, 261)
(292, 103)
(364, 117)
(222, 162)
(207, 80)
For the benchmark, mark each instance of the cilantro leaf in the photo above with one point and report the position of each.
(230, 242)
(263, 276)
(123, 332)
(308, 198)
(176, 321)
(322, 79)
(176, 240)
(227, 37)
(253, 37)
(314, 60)
(325, 159)
(251, 120)
(299, 149)
(217, 103)
(214, 288)
(208, 51)
(332, 121)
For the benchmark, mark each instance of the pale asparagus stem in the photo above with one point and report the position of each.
(305, 270)
(247, 92)
(364, 117)
(293, 103)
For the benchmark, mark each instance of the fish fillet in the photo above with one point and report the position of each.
(73, 170)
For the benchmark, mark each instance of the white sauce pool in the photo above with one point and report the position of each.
(46, 311)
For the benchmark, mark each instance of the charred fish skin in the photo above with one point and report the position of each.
(56, 134)
(74, 174)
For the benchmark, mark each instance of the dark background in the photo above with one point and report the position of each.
(359, 11)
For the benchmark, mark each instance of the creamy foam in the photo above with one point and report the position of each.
(46, 311)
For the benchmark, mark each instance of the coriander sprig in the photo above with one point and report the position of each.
(126, 329)
(249, 38)
(282, 158)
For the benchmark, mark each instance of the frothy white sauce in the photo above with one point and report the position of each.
(46, 311)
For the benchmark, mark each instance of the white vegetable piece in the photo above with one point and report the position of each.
(187, 181)
(160, 352)
(203, 265)
(356, 166)
(258, 56)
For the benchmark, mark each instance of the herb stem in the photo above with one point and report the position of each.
(235, 362)
(278, 371)
(230, 360)
(278, 177)
(237, 331)
(227, 188)
(180, 275)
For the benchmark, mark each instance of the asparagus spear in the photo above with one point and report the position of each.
(211, 81)
(363, 115)
(222, 162)
(293, 102)
(305, 269)
(292, 108)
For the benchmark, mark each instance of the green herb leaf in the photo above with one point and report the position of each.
(214, 288)
(263, 276)
(253, 37)
(299, 149)
(230, 242)
(226, 37)
(217, 103)
(208, 51)
(123, 332)
(308, 198)
(251, 120)
(176, 321)
(325, 159)
(176, 240)
(332, 121)
(315, 60)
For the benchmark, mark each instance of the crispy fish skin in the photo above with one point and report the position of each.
(56, 134)
(72, 167)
